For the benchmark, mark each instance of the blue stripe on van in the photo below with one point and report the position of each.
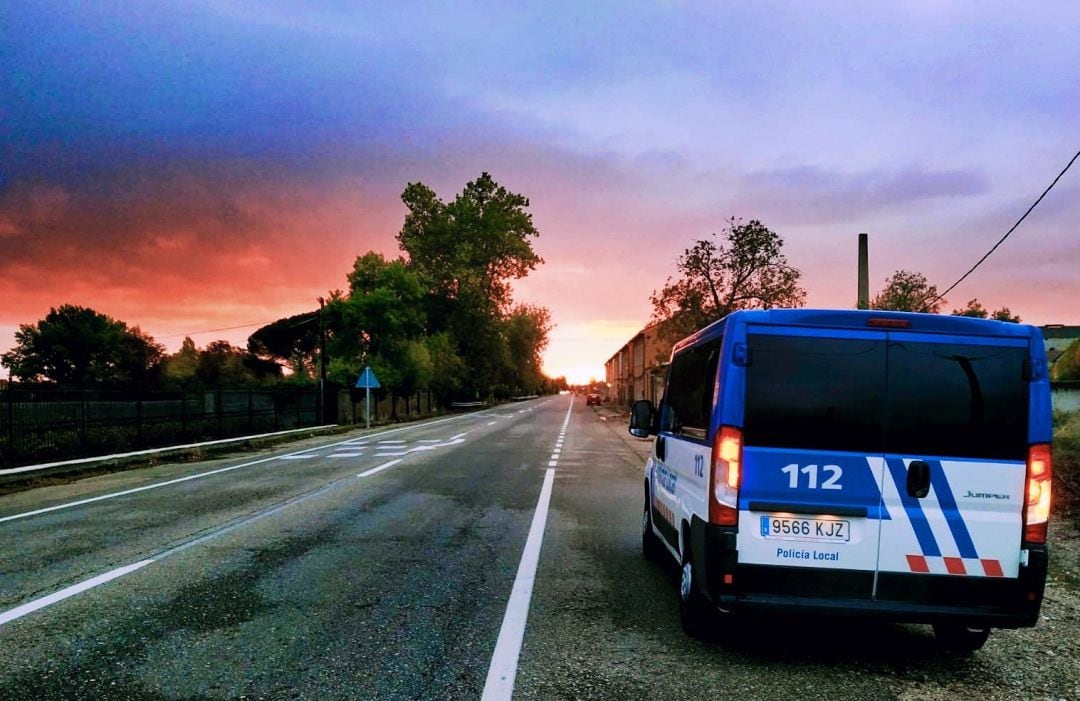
(927, 542)
(951, 511)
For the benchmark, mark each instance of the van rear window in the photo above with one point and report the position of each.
(815, 393)
(957, 400)
(899, 397)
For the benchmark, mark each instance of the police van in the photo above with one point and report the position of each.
(887, 464)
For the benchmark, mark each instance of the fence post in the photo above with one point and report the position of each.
(82, 420)
(9, 454)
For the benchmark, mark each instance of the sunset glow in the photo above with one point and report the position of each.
(195, 167)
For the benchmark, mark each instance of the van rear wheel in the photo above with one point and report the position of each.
(959, 637)
(696, 614)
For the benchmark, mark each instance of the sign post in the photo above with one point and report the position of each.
(368, 381)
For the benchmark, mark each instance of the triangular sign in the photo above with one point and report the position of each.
(368, 380)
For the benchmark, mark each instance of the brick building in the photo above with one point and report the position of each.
(639, 368)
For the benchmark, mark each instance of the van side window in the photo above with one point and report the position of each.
(689, 396)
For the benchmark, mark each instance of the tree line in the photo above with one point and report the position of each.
(439, 317)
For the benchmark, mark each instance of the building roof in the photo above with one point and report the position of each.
(1060, 331)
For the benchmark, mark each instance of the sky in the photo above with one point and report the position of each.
(188, 167)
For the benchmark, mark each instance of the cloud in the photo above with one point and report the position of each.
(815, 195)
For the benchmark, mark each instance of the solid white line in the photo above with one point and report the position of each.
(380, 468)
(44, 601)
(503, 669)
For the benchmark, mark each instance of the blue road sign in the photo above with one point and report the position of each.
(368, 380)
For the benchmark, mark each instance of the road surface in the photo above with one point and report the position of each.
(488, 553)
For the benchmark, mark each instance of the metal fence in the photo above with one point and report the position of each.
(44, 424)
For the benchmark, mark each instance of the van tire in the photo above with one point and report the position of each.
(696, 614)
(651, 547)
(959, 637)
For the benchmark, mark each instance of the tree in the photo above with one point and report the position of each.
(293, 340)
(976, 310)
(908, 291)
(472, 247)
(222, 364)
(466, 255)
(745, 270)
(78, 347)
(180, 367)
(1067, 366)
(527, 329)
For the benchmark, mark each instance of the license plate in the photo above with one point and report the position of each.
(828, 530)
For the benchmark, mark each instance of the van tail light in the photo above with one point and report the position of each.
(1037, 490)
(727, 456)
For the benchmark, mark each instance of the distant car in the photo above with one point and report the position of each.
(592, 398)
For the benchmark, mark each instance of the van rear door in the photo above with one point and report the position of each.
(813, 436)
(956, 442)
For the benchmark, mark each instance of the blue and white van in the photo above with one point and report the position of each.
(854, 462)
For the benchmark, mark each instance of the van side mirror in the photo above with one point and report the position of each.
(641, 419)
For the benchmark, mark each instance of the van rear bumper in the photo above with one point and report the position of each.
(911, 598)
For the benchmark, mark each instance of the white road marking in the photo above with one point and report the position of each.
(73, 590)
(499, 685)
(208, 473)
(380, 468)
(344, 455)
(503, 670)
(392, 442)
(20, 611)
(37, 604)
(491, 423)
(297, 457)
(151, 451)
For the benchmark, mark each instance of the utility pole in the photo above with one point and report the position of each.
(322, 364)
(864, 272)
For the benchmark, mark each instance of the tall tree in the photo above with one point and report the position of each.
(466, 255)
(908, 291)
(746, 269)
(78, 347)
(474, 246)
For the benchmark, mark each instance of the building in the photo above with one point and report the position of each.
(639, 368)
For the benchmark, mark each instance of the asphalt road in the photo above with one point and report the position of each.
(396, 564)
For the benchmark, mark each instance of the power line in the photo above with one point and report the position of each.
(1002, 239)
(224, 328)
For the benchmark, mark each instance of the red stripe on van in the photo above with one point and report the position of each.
(955, 565)
(917, 563)
(992, 568)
